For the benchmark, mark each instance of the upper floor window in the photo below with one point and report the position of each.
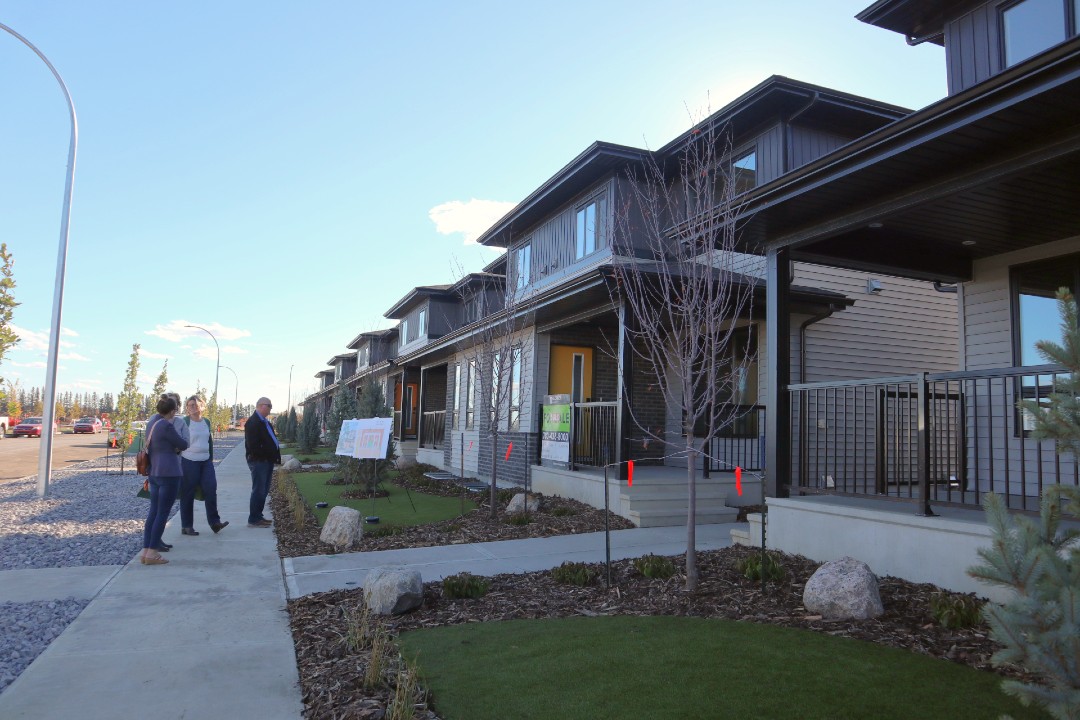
(586, 233)
(337, 373)
(362, 356)
(404, 332)
(470, 393)
(1031, 26)
(744, 171)
(522, 265)
(454, 403)
(421, 323)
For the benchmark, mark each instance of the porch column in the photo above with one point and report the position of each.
(623, 392)
(420, 412)
(778, 371)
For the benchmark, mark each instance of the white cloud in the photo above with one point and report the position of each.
(29, 364)
(233, 350)
(210, 352)
(69, 332)
(153, 355)
(30, 340)
(72, 356)
(469, 218)
(178, 330)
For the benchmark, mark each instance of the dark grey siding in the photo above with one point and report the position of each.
(809, 144)
(443, 316)
(770, 154)
(973, 47)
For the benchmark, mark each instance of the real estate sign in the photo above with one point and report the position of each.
(555, 429)
(365, 439)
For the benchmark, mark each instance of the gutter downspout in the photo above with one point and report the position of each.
(943, 288)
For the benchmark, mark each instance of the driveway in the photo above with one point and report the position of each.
(19, 456)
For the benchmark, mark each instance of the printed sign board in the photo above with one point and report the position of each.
(555, 429)
(366, 439)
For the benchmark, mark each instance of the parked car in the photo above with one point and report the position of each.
(87, 425)
(31, 427)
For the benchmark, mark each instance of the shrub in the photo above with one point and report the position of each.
(407, 692)
(505, 495)
(956, 611)
(563, 511)
(519, 519)
(465, 585)
(573, 573)
(655, 566)
(383, 530)
(752, 566)
(357, 628)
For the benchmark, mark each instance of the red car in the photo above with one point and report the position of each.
(30, 427)
(87, 425)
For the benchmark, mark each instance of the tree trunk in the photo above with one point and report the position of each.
(494, 455)
(691, 512)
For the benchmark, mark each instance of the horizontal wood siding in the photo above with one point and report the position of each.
(973, 47)
(909, 327)
(808, 144)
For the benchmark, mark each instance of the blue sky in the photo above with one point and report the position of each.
(282, 173)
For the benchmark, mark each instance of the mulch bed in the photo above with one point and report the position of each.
(328, 672)
(557, 516)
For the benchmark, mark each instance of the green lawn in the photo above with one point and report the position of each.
(319, 455)
(673, 667)
(394, 510)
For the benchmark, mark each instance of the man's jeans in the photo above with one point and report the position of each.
(261, 472)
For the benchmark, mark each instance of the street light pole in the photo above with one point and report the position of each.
(289, 399)
(236, 391)
(49, 415)
(218, 365)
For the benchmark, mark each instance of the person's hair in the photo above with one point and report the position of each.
(166, 404)
(198, 401)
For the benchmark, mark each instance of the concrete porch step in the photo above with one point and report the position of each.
(665, 518)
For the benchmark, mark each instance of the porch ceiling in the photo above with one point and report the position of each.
(997, 169)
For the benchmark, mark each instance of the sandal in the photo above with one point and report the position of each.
(154, 560)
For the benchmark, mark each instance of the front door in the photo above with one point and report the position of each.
(571, 372)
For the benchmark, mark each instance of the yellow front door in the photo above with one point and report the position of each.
(570, 372)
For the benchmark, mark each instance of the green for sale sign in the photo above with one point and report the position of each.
(555, 429)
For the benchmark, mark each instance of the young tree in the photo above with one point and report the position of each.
(292, 426)
(675, 272)
(128, 404)
(161, 383)
(76, 410)
(495, 353)
(14, 407)
(8, 338)
(372, 404)
(343, 407)
(308, 435)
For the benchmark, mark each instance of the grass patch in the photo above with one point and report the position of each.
(393, 510)
(647, 667)
(318, 455)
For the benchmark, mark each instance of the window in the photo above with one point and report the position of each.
(362, 356)
(404, 332)
(454, 406)
(586, 231)
(1035, 313)
(523, 264)
(738, 374)
(744, 171)
(1031, 26)
(421, 324)
(470, 392)
(515, 389)
(498, 385)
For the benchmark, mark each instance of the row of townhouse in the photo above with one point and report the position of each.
(902, 264)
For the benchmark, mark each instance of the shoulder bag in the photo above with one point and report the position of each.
(142, 458)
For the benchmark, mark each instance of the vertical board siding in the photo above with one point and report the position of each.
(770, 155)
(973, 47)
(808, 145)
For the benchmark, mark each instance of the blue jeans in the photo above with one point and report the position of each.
(261, 472)
(162, 496)
(198, 473)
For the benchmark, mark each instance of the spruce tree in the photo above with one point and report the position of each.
(8, 338)
(292, 426)
(372, 404)
(128, 404)
(308, 435)
(1040, 561)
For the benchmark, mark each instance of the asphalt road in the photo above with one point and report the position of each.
(19, 456)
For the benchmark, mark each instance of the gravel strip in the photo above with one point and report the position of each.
(91, 517)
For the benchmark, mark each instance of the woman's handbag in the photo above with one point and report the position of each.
(142, 458)
(144, 491)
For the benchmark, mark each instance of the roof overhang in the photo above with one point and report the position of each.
(415, 296)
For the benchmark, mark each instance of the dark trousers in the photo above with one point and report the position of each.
(198, 474)
(162, 496)
(261, 472)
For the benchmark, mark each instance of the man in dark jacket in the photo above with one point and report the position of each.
(263, 453)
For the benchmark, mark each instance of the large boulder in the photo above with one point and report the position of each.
(393, 589)
(343, 528)
(843, 589)
(523, 502)
(291, 464)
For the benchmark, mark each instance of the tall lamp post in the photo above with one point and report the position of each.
(236, 391)
(289, 399)
(218, 365)
(45, 454)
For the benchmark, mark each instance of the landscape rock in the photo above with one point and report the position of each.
(843, 589)
(524, 502)
(343, 528)
(291, 464)
(393, 590)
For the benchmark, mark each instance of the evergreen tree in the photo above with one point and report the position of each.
(308, 434)
(8, 338)
(372, 404)
(160, 384)
(291, 427)
(1040, 561)
(344, 407)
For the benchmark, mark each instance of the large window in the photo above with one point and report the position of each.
(470, 395)
(404, 332)
(1031, 26)
(455, 407)
(515, 390)
(586, 232)
(744, 171)
(1035, 313)
(522, 266)
(421, 323)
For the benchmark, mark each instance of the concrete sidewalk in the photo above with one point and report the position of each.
(318, 573)
(205, 636)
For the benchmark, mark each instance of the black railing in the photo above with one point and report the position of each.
(946, 438)
(433, 429)
(741, 443)
(592, 434)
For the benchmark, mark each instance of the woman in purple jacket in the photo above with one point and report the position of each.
(163, 444)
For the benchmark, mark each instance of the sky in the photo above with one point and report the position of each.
(282, 173)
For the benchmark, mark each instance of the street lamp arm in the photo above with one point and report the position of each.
(49, 414)
(217, 366)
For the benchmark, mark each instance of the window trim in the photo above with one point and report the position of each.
(1014, 298)
(403, 332)
(470, 396)
(421, 322)
(455, 404)
(584, 252)
(1072, 28)
(523, 266)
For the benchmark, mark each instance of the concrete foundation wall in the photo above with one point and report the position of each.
(888, 537)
